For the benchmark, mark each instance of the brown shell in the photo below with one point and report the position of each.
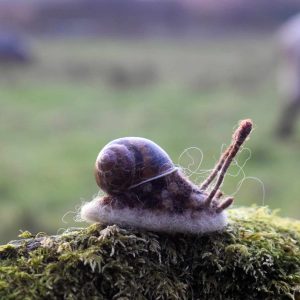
(128, 162)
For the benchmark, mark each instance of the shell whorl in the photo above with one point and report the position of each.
(126, 163)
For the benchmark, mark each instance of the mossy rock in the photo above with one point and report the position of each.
(256, 257)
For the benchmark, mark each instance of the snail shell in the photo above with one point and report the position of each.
(126, 163)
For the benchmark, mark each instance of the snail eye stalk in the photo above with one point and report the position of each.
(238, 138)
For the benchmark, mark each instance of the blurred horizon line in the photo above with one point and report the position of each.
(142, 18)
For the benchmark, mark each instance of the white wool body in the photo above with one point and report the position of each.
(189, 221)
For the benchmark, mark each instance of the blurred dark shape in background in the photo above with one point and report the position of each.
(14, 49)
(122, 77)
(289, 38)
(143, 18)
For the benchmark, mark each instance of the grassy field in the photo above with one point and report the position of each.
(58, 112)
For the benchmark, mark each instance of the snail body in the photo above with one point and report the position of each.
(145, 189)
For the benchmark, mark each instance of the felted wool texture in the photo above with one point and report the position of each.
(189, 221)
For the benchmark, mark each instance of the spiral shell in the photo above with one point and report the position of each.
(128, 162)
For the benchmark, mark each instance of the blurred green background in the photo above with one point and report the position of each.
(57, 113)
(77, 94)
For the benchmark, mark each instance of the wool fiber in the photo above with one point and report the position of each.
(187, 222)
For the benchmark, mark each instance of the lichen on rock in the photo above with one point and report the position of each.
(256, 257)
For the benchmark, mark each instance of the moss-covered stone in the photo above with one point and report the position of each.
(256, 257)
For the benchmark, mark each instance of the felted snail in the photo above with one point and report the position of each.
(145, 189)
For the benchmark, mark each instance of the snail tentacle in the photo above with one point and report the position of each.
(238, 137)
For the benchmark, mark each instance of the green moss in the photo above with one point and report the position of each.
(25, 234)
(7, 251)
(256, 257)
